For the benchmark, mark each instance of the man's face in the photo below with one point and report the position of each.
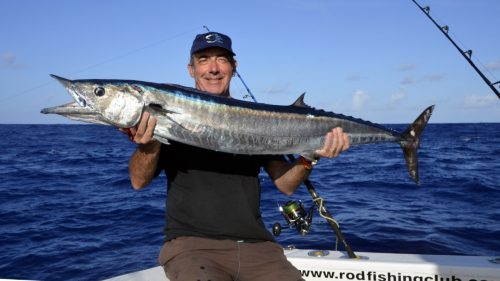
(212, 71)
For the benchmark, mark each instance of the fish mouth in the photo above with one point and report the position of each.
(69, 85)
(78, 110)
(75, 112)
(67, 109)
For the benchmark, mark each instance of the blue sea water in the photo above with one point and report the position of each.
(68, 212)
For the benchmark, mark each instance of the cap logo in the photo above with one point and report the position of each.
(211, 39)
(214, 38)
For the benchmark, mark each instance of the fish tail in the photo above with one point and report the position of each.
(410, 141)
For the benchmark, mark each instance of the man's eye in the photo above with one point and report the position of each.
(202, 60)
(222, 59)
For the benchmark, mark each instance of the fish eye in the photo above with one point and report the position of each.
(99, 91)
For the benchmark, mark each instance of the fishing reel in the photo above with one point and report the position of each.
(296, 217)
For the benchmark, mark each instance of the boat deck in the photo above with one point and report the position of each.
(335, 265)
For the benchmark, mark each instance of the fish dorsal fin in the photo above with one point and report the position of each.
(300, 101)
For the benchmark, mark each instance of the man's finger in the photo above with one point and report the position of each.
(347, 142)
(150, 129)
(141, 129)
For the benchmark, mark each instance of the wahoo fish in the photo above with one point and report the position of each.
(197, 118)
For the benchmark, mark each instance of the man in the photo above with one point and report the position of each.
(214, 230)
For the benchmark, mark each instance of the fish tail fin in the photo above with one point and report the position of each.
(410, 141)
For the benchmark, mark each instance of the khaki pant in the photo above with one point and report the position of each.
(201, 259)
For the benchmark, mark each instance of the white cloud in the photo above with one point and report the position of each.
(408, 80)
(493, 66)
(278, 89)
(398, 97)
(359, 99)
(407, 67)
(432, 77)
(480, 101)
(10, 60)
(354, 77)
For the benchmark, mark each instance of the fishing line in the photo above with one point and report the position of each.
(320, 200)
(327, 217)
(107, 61)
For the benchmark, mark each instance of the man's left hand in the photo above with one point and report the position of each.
(336, 141)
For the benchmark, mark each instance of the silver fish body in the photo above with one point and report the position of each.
(223, 124)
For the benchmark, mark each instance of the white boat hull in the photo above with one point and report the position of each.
(372, 267)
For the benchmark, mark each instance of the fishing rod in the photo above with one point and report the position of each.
(295, 208)
(466, 54)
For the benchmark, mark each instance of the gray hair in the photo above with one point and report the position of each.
(230, 57)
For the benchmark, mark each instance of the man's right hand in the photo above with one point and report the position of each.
(143, 132)
(142, 164)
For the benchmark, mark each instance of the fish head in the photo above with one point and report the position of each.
(114, 102)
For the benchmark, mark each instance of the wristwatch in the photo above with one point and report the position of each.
(308, 164)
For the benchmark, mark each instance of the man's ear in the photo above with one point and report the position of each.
(191, 70)
(235, 67)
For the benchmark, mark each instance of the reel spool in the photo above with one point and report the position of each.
(296, 217)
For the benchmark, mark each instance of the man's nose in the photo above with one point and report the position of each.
(214, 66)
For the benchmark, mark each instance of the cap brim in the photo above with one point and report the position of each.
(208, 47)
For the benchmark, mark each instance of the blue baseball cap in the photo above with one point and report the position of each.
(211, 39)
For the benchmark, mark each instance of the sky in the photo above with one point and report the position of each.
(379, 60)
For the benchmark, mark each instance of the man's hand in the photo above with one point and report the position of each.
(142, 164)
(336, 141)
(143, 132)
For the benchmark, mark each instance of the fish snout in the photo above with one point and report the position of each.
(65, 82)
(69, 85)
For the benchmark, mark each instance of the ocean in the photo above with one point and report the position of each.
(68, 212)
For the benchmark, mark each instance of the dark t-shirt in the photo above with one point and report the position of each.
(213, 194)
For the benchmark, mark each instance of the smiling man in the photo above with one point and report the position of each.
(212, 63)
(213, 225)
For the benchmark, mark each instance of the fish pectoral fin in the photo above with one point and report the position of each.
(171, 116)
(158, 108)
